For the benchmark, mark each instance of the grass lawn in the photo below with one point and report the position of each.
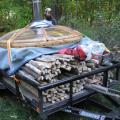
(11, 109)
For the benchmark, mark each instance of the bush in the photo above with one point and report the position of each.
(108, 32)
(14, 14)
(79, 25)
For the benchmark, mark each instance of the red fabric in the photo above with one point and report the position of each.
(78, 51)
(67, 51)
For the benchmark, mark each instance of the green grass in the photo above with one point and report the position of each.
(11, 109)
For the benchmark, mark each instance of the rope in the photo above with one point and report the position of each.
(9, 48)
(45, 33)
(13, 37)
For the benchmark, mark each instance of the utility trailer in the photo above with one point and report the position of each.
(68, 105)
(30, 91)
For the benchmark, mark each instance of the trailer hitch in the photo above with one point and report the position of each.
(89, 114)
(103, 90)
(84, 113)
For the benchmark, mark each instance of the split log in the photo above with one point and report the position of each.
(36, 64)
(31, 72)
(23, 73)
(30, 66)
(45, 64)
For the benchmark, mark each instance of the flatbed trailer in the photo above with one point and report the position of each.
(67, 105)
(33, 94)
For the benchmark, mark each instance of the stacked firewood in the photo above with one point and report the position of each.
(50, 68)
(62, 92)
(45, 69)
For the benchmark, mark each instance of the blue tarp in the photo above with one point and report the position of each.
(22, 55)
